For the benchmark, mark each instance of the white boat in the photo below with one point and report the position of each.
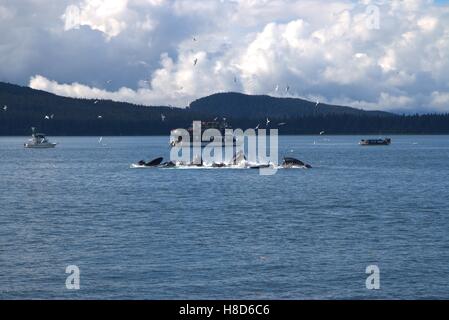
(176, 136)
(39, 141)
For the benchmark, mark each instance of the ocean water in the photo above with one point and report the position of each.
(225, 234)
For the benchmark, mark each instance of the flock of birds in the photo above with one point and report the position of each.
(163, 117)
(287, 88)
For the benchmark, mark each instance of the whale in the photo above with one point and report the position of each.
(294, 163)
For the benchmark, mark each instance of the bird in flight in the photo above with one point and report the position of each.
(195, 61)
(282, 124)
(101, 139)
(109, 81)
(5, 108)
(268, 121)
(322, 133)
(96, 101)
(317, 103)
(287, 89)
(100, 117)
(257, 128)
(162, 117)
(194, 39)
(47, 118)
(143, 63)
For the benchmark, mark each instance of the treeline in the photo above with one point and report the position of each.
(358, 124)
(148, 125)
(22, 108)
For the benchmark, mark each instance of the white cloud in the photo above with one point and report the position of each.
(77, 90)
(102, 15)
(440, 100)
(5, 13)
(317, 48)
(428, 23)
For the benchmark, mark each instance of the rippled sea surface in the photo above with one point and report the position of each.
(220, 234)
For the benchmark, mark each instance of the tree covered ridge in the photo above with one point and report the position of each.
(56, 115)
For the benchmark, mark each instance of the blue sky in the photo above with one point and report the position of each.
(370, 54)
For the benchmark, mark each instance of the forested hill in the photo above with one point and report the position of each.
(28, 108)
(256, 107)
(22, 108)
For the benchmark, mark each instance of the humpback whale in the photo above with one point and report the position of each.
(294, 163)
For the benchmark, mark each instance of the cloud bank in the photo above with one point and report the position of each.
(388, 55)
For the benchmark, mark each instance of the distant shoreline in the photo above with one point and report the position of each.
(62, 116)
(282, 135)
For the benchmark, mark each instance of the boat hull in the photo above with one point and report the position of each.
(375, 142)
(40, 146)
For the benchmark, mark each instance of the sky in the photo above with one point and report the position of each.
(369, 54)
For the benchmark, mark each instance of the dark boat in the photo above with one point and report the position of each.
(375, 142)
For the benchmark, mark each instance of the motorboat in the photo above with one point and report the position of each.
(176, 136)
(375, 142)
(39, 141)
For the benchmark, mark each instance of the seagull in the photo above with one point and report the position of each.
(282, 124)
(162, 117)
(317, 103)
(109, 81)
(268, 122)
(52, 116)
(100, 117)
(47, 118)
(322, 133)
(215, 119)
(195, 61)
(142, 63)
(194, 39)
(257, 128)
(101, 139)
(96, 101)
(5, 108)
